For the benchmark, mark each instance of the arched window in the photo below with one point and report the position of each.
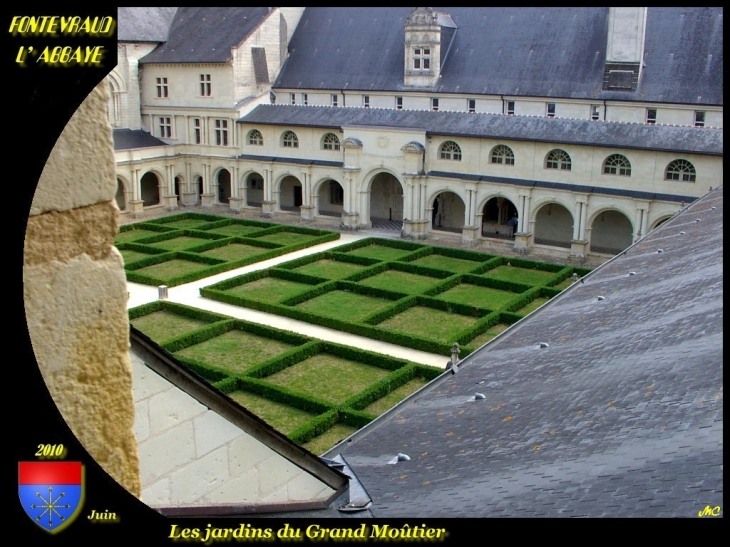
(330, 142)
(290, 140)
(680, 170)
(503, 154)
(450, 151)
(255, 137)
(558, 159)
(616, 164)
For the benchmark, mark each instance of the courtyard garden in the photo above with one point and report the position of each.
(413, 295)
(315, 392)
(190, 246)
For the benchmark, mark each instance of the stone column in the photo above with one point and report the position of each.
(268, 205)
(189, 195)
(306, 209)
(523, 236)
(236, 201)
(579, 244)
(207, 198)
(169, 198)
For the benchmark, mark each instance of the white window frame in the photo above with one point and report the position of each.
(399, 103)
(699, 118)
(502, 155)
(206, 85)
(450, 150)
(651, 116)
(293, 97)
(162, 90)
(550, 110)
(255, 138)
(221, 132)
(334, 99)
(617, 164)
(330, 142)
(434, 104)
(422, 58)
(471, 105)
(305, 99)
(510, 108)
(595, 112)
(289, 139)
(366, 101)
(165, 125)
(197, 131)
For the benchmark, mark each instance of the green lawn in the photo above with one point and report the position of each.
(327, 377)
(429, 323)
(130, 256)
(133, 235)
(186, 223)
(347, 306)
(235, 251)
(235, 230)
(180, 243)
(519, 275)
(532, 306)
(286, 238)
(488, 335)
(395, 396)
(172, 268)
(474, 295)
(380, 252)
(269, 289)
(441, 262)
(329, 269)
(282, 417)
(328, 439)
(395, 280)
(161, 325)
(235, 351)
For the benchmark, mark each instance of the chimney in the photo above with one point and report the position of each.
(624, 49)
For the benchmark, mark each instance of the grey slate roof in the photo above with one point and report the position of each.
(621, 416)
(499, 126)
(144, 24)
(206, 35)
(128, 139)
(541, 52)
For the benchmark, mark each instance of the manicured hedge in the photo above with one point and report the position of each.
(149, 226)
(314, 427)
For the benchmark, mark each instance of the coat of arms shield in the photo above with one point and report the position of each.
(51, 492)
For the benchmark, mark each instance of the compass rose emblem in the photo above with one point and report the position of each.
(51, 493)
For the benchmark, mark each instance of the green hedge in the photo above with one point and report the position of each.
(184, 216)
(280, 394)
(146, 226)
(509, 286)
(179, 309)
(364, 356)
(381, 388)
(490, 265)
(210, 373)
(314, 427)
(285, 360)
(198, 335)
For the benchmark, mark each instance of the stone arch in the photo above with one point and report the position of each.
(223, 184)
(123, 193)
(496, 211)
(149, 188)
(448, 211)
(116, 105)
(290, 193)
(386, 196)
(661, 220)
(253, 182)
(329, 197)
(611, 231)
(553, 224)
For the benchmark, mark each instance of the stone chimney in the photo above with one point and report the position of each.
(624, 49)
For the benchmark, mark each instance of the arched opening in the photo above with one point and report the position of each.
(150, 189)
(121, 197)
(178, 189)
(611, 233)
(386, 202)
(554, 226)
(254, 190)
(331, 198)
(660, 222)
(224, 185)
(290, 194)
(447, 213)
(199, 189)
(496, 215)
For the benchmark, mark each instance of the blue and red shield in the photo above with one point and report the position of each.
(51, 493)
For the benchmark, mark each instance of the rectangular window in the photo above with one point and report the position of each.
(198, 134)
(305, 99)
(165, 128)
(511, 108)
(551, 110)
(651, 115)
(594, 112)
(221, 132)
(434, 104)
(471, 105)
(422, 58)
(162, 87)
(334, 99)
(293, 97)
(205, 85)
(366, 101)
(399, 103)
(699, 119)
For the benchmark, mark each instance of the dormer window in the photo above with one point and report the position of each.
(422, 58)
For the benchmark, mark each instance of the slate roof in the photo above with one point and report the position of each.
(144, 24)
(674, 139)
(128, 139)
(621, 416)
(206, 35)
(516, 51)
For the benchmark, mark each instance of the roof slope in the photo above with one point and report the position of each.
(499, 126)
(206, 35)
(128, 139)
(622, 415)
(545, 52)
(144, 24)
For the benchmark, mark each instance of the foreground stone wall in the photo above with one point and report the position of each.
(75, 292)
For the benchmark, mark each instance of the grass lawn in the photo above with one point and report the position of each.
(329, 269)
(235, 351)
(380, 252)
(327, 377)
(395, 396)
(134, 235)
(172, 268)
(130, 256)
(283, 417)
(395, 280)
(235, 230)
(235, 251)
(161, 325)
(347, 306)
(474, 295)
(186, 223)
(269, 289)
(429, 323)
(532, 306)
(519, 275)
(286, 238)
(488, 335)
(328, 439)
(441, 262)
(180, 243)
